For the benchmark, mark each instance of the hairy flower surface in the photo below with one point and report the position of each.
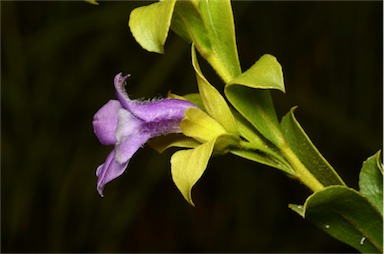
(129, 124)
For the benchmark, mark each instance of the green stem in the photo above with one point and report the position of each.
(301, 171)
(215, 62)
(219, 67)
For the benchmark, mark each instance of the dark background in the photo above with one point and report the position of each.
(58, 60)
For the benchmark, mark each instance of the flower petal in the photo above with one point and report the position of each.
(161, 110)
(121, 94)
(108, 171)
(150, 111)
(105, 122)
(127, 125)
(129, 146)
(130, 136)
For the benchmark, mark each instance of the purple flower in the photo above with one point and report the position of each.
(129, 124)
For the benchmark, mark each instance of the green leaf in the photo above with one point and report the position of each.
(188, 23)
(371, 181)
(308, 154)
(226, 143)
(209, 26)
(195, 98)
(267, 158)
(94, 2)
(214, 103)
(256, 148)
(187, 166)
(254, 104)
(218, 19)
(150, 24)
(248, 132)
(257, 107)
(346, 215)
(266, 73)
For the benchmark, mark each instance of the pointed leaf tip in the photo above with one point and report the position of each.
(371, 181)
(187, 166)
(266, 73)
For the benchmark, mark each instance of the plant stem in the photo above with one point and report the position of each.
(301, 171)
(219, 67)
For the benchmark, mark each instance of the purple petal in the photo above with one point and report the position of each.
(163, 127)
(105, 122)
(129, 146)
(151, 111)
(108, 171)
(121, 94)
(130, 136)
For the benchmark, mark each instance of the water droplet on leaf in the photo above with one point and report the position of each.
(362, 240)
(327, 226)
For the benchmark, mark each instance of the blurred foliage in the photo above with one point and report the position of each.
(58, 60)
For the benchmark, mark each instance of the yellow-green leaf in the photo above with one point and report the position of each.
(150, 24)
(257, 107)
(226, 143)
(200, 126)
(214, 103)
(218, 19)
(187, 166)
(188, 23)
(195, 98)
(247, 93)
(92, 2)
